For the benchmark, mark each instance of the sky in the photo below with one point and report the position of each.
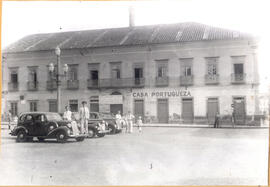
(23, 18)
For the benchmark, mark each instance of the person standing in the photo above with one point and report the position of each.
(140, 123)
(216, 125)
(9, 119)
(130, 119)
(67, 114)
(84, 117)
(118, 119)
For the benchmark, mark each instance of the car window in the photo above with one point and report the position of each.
(40, 117)
(29, 117)
(22, 117)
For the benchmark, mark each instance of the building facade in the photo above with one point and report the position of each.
(180, 73)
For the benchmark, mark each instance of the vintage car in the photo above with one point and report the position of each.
(44, 125)
(111, 126)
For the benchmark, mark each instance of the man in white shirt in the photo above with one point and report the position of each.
(130, 119)
(118, 119)
(67, 114)
(84, 117)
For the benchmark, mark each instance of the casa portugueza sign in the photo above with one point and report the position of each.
(156, 93)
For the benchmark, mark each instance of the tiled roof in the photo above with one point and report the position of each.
(138, 35)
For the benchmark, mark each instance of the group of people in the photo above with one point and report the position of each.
(84, 116)
(126, 121)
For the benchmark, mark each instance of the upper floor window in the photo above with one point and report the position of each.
(115, 70)
(93, 71)
(212, 65)
(73, 72)
(162, 68)
(14, 108)
(52, 105)
(238, 68)
(13, 75)
(186, 66)
(32, 76)
(238, 64)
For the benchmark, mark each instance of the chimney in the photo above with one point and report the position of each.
(131, 16)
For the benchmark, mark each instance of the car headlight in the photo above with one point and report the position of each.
(68, 131)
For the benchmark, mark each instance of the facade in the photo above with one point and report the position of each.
(179, 73)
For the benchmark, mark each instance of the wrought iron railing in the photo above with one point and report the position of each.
(13, 86)
(186, 80)
(72, 84)
(32, 85)
(238, 78)
(51, 85)
(212, 79)
(162, 81)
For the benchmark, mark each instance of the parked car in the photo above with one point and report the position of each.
(109, 119)
(43, 125)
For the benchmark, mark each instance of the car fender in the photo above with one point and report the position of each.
(18, 129)
(56, 130)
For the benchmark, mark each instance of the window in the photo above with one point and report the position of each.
(33, 106)
(115, 70)
(94, 75)
(162, 67)
(239, 69)
(73, 72)
(14, 108)
(212, 65)
(138, 73)
(94, 104)
(73, 104)
(52, 106)
(32, 74)
(93, 71)
(186, 66)
(51, 75)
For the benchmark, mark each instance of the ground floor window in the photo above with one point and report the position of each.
(94, 104)
(33, 106)
(14, 108)
(73, 104)
(52, 106)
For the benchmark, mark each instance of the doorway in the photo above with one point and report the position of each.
(163, 111)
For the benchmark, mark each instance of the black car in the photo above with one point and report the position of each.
(44, 125)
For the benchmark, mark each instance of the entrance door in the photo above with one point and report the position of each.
(163, 111)
(239, 110)
(187, 110)
(212, 109)
(139, 108)
(114, 108)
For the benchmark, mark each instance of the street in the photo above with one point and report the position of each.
(157, 156)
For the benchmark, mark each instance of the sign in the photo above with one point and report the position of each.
(111, 99)
(162, 94)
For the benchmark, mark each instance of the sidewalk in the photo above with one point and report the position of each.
(4, 125)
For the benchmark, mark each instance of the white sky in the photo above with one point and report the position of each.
(23, 18)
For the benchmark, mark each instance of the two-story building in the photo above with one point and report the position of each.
(181, 73)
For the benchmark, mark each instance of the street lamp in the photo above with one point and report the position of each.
(57, 76)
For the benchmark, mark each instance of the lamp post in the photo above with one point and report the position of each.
(58, 76)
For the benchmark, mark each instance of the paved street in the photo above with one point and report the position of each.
(158, 156)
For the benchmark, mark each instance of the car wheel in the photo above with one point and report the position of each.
(100, 134)
(111, 129)
(79, 139)
(61, 137)
(91, 133)
(41, 139)
(21, 136)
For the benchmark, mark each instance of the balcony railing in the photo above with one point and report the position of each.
(73, 84)
(186, 80)
(32, 85)
(162, 81)
(116, 83)
(51, 85)
(238, 78)
(211, 79)
(91, 83)
(13, 86)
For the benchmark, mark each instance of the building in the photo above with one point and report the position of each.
(174, 73)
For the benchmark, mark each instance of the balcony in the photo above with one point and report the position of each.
(162, 81)
(13, 86)
(211, 79)
(186, 80)
(73, 84)
(238, 78)
(51, 85)
(121, 83)
(32, 85)
(92, 83)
